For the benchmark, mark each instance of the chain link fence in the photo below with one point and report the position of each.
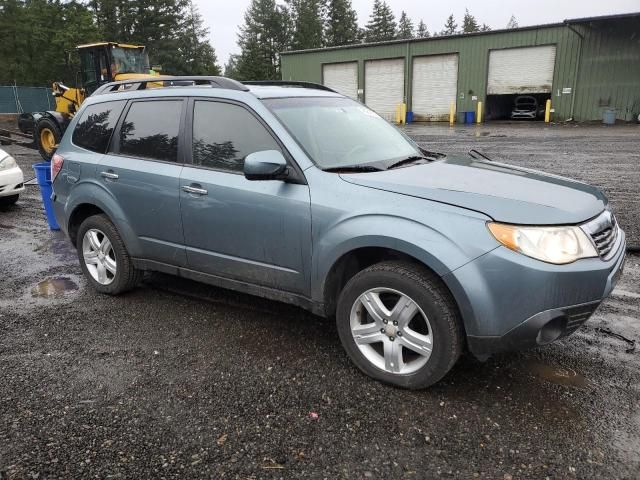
(14, 99)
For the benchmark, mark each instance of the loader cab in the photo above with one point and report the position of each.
(105, 62)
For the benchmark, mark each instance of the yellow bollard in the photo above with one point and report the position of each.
(547, 112)
(452, 113)
(479, 115)
(401, 113)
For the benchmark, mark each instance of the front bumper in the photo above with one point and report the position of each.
(509, 301)
(11, 182)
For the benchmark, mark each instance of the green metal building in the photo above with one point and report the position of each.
(585, 66)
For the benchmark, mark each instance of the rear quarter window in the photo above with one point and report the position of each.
(94, 129)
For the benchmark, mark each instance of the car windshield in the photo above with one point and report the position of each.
(339, 133)
(129, 60)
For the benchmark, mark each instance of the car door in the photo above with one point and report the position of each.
(141, 171)
(253, 231)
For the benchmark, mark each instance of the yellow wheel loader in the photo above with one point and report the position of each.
(100, 63)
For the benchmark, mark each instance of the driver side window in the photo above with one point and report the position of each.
(224, 134)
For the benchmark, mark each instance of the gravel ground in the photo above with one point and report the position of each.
(180, 380)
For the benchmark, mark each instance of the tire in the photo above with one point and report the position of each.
(398, 353)
(8, 200)
(47, 126)
(99, 268)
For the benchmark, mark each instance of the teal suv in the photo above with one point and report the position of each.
(296, 193)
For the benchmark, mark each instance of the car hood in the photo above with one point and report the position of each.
(505, 193)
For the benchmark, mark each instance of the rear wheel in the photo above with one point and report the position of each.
(47, 135)
(399, 325)
(104, 258)
(8, 200)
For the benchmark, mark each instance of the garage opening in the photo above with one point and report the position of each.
(520, 83)
(516, 107)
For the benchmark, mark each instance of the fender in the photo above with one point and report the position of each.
(27, 121)
(422, 242)
(93, 193)
(62, 119)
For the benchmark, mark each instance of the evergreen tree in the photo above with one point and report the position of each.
(231, 67)
(382, 23)
(342, 23)
(405, 27)
(422, 31)
(469, 23)
(37, 33)
(307, 17)
(197, 55)
(172, 30)
(450, 27)
(512, 23)
(35, 37)
(261, 39)
(485, 28)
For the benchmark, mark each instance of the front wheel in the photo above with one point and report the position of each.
(399, 324)
(104, 258)
(47, 136)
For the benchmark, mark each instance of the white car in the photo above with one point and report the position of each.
(11, 179)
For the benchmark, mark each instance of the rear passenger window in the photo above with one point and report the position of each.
(150, 130)
(96, 125)
(224, 134)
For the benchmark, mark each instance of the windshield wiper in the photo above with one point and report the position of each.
(408, 160)
(353, 168)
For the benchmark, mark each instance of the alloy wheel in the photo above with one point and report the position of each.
(99, 256)
(391, 330)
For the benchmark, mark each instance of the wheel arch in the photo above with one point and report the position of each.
(91, 199)
(352, 260)
(61, 119)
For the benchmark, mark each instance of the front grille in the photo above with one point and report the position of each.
(605, 240)
(603, 230)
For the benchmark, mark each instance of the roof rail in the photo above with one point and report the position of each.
(171, 81)
(290, 83)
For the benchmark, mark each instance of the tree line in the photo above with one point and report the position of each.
(270, 28)
(38, 37)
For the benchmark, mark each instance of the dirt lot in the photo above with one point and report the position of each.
(180, 380)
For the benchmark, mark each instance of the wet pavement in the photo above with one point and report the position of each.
(181, 380)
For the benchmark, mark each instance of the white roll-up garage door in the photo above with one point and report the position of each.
(521, 70)
(384, 86)
(434, 86)
(342, 77)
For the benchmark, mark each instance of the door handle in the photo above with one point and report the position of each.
(110, 175)
(194, 190)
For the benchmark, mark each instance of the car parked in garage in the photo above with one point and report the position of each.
(299, 194)
(526, 107)
(11, 179)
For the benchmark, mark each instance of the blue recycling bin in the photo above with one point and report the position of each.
(469, 117)
(43, 177)
(409, 117)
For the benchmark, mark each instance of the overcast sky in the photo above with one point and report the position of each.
(223, 17)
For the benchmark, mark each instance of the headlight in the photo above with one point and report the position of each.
(7, 162)
(557, 245)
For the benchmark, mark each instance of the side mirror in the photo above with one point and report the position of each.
(265, 165)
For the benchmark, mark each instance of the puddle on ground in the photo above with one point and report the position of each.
(55, 287)
(558, 375)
